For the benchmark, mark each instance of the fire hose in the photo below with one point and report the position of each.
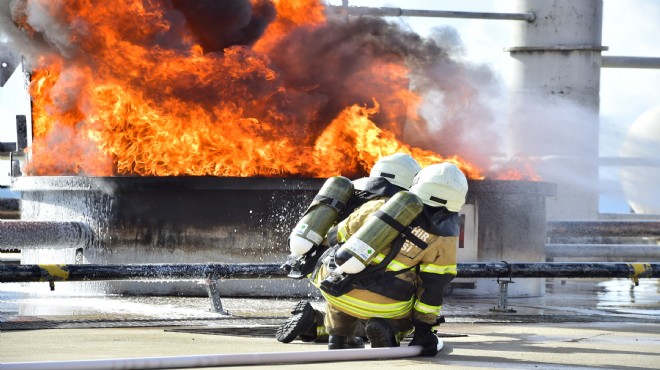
(237, 359)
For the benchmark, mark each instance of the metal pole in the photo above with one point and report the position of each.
(603, 228)
(17, 234)
(628, 162)
(398, 12)
(630, 62)
(36, 273)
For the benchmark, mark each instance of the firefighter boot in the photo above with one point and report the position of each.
(341, 342)
(380, 334)
(302, 321)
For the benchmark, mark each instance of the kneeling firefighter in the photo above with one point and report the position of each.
(400, 289)
(336, 200)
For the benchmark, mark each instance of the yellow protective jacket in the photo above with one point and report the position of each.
(429, 269)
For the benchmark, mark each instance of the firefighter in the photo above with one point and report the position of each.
(402, 293)
(389, 175)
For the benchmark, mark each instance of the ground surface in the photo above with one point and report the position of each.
(578, 324)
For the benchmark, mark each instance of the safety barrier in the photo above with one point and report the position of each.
(200, 271)
(211, 272)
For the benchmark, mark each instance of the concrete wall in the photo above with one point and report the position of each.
(247, 220)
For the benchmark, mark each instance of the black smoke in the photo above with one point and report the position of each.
(219, 24)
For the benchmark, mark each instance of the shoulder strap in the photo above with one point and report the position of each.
(405, 230)
(396, 225)
(332, 202)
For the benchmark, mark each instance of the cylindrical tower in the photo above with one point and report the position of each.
(555, 84)
(640, 183)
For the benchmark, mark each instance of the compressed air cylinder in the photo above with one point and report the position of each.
(321, 215)
(375, 235)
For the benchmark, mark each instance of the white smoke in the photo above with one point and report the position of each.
(561, 137)
(462, 104)
(17, 39)
(39, 18)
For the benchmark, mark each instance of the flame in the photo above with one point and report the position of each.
(363, 143)
(116, 101)
(291, 15)
(517, 168)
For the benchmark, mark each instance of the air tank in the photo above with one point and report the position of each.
(321, 215)
(376, 234)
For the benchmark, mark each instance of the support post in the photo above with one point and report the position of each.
(214, 296)
(503, 297)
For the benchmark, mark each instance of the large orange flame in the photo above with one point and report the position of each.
(116, 102)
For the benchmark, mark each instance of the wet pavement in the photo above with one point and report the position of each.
(579, 323)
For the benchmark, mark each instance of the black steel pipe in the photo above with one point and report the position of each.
(36, 273)
(194, 271)
(609, 228)
(10, 209)
(18, 234)
(559, 270)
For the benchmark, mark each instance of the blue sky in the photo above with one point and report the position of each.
(629, 29)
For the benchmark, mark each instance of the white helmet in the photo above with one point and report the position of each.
(398, 168)
(441, 185)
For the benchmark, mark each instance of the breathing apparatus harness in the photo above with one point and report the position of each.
(436, 220)
(374, 278)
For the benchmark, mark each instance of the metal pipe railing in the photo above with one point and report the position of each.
(398, 12)
(17, 234)
(37, 273)
(559, 270)
(194, 271)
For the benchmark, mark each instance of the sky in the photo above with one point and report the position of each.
(629, 29)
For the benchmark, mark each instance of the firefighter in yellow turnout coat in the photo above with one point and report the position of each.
(389, 175)
(406, 293)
